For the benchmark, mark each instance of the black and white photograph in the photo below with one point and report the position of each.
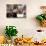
(16, 11)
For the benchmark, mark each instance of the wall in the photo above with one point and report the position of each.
(27, 26)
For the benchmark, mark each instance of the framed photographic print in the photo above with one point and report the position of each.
(16, 11)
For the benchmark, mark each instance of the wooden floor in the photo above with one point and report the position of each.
(31, 45)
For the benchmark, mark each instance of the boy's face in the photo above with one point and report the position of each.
(43, 8)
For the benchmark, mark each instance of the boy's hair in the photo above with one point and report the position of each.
(42, 7)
